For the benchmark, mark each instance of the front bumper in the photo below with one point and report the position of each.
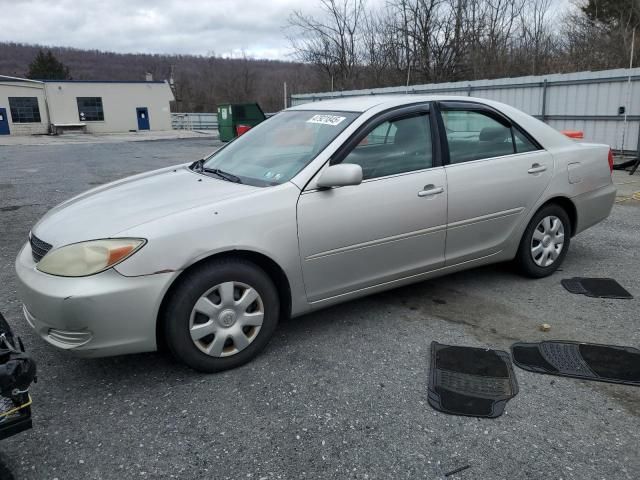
(95, 316)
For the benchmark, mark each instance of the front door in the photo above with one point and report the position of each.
(143, 118)
(4, 122)
(496, 174)
(390, 226)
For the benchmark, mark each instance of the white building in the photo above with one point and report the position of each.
(29, 107)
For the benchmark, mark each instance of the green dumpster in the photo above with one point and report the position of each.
(237, 118)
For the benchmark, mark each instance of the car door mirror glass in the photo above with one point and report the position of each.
(340, 175)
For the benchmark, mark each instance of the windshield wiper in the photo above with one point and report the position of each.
(230, 177)
(198, 166)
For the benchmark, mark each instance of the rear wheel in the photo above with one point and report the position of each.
(545, 242)
(221, 315)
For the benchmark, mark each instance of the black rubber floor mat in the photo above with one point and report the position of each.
(470, 381)
(589, 361)
(596, 287)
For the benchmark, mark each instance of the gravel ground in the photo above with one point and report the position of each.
(337, 394)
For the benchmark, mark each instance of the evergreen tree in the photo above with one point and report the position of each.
(613, 13)
(47, 67)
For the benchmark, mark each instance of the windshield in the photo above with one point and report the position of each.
(277, 149)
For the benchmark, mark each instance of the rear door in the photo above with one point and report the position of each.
(495, 174)
(143, 118)
(4, 122)
(390, 226)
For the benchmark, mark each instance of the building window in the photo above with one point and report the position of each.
(24, 109)
(90, 109)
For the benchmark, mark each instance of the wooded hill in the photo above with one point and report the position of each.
(201, 82)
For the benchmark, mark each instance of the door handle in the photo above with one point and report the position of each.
(429, 190)
(536, 168)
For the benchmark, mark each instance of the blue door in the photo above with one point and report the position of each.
(143, 118)
(4, 122)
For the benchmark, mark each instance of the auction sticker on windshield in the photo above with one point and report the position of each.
(326, 119)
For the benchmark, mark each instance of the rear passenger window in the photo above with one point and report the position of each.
(474, 135)
(395, 146)
(523, 144)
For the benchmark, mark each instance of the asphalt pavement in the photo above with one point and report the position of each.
(341, 393)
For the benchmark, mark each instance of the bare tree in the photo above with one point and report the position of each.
(355, 44)
(536, 37)
(331, 42)
(378, 50)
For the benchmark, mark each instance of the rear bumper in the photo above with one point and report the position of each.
(96, 316)
(594, 206)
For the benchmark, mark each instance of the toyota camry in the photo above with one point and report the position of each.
(320, 204)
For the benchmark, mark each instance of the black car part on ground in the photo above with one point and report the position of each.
(632, 165)
(596, 287)
(588, 361)
(17, 372)
(470, 381)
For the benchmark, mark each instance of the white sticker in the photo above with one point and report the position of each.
(224, 113)
(332, 120)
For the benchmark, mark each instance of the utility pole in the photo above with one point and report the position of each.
(172, 84)
(285, 95)
(628, 99)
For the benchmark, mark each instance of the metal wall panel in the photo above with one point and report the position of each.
(194, 121)
(586, 101)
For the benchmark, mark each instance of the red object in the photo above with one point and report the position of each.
(610, 160)
(573, 134)
(241, 129)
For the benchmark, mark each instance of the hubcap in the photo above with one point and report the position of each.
(226, 319)
(547, 241)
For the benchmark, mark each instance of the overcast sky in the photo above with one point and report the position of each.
(223, 27)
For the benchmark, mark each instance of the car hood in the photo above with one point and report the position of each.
(115, 207)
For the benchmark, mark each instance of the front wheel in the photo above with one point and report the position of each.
(545, 242)
(221, 315)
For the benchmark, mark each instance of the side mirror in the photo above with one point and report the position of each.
(340, 175)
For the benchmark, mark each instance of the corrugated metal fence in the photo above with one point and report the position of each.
(586, 101)
(194, 121)
(198, 121)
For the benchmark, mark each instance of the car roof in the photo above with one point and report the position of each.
(365, 102)
(543, 133)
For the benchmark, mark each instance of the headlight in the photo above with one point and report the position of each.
(88, 258)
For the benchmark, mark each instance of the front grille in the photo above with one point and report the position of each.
(39, 248)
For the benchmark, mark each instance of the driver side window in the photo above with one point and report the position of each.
(395, 146)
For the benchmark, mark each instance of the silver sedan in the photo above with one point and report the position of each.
(320, 204)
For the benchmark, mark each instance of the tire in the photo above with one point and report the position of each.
(212, 302)
(535, 256)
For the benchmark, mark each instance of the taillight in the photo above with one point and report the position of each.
(610, 160)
